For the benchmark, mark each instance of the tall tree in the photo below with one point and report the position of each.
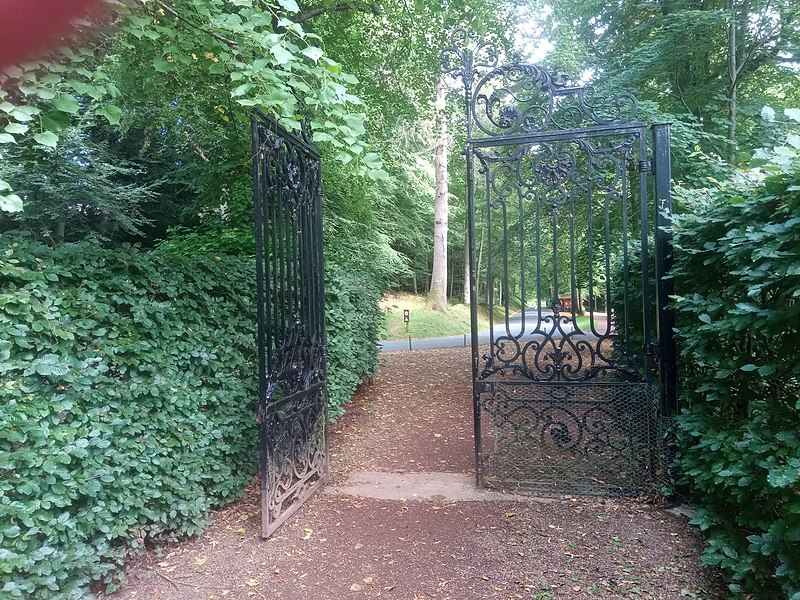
(707, 66)
(438, 289)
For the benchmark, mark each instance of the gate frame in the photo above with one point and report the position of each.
(461, 60)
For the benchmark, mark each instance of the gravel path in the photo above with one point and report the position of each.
(407, 440)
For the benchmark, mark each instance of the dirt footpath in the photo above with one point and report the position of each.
(403, 521)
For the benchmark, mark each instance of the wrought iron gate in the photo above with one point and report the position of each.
(572, 392)
(287, 192)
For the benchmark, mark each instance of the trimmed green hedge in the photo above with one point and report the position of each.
(737, 280)
(129, 389)
(353, 319)
(737, 270)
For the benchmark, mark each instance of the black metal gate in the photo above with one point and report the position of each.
(287, 192)
(572, 391)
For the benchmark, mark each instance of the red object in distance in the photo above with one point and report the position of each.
(31, 27)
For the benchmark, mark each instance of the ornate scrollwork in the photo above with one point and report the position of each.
(295, 453)
(297, 363)
(554, 179)
(289, 168)
(522, 99)
(519, 99)
(554, 351)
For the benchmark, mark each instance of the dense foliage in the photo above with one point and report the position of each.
(352, 320)
(138, 132)
(129, 392)
(705, 66)
(737, 273)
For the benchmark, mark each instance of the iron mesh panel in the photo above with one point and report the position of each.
(588, 438)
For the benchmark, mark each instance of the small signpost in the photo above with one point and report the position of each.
(406, 319)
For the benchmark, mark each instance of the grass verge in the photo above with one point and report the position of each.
(424, 322)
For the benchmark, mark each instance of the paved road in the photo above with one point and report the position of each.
(514, 328)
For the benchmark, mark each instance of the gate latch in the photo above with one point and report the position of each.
(651, 349)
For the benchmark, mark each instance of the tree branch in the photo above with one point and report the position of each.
(680, 97)
(180, 17)
(320, 9)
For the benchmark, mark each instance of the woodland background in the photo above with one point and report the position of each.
(126, 318)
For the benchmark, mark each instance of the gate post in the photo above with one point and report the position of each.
(473, 278)
(664, 287)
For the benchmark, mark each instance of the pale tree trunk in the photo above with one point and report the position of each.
(60, 231)
(734, 70)
(438, 291)
(450, 276)
(732, 75)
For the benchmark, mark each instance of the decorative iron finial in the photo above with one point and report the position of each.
(466, 54)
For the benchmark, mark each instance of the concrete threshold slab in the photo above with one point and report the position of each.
(442, 487)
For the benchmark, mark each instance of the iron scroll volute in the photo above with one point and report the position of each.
(518, 99)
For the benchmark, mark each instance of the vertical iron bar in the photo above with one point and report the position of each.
(572, 281)
(646, 316)
(264, 157)
(556, 304)
(590, 242)
(521, 217)
(306, 256)
(664, 284)
(506, 282)
(319, 228)
(272, 208)
(538, 261)
(467, 76)
(260, 260)
(489, 256)
(297, 241)
(607, 207)
(473, 309)
(291, 246)
(280, 208)
(319, 284)
(625, 267)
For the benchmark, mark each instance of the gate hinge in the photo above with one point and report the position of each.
(324, 349)
(645, 166)
(651, 349)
